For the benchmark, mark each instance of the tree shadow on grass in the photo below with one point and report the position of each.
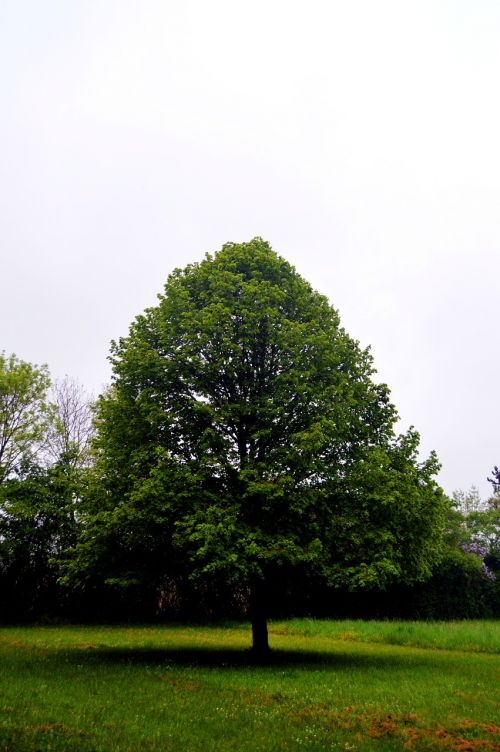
(210, 657)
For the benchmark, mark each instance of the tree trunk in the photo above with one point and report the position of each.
(258, 615)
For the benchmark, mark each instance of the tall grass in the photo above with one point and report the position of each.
(328, 686)
(470, 636)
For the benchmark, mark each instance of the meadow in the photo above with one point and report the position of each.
(346, 685)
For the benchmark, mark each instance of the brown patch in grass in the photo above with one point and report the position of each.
(278, 630)
(12, 643)
(58, 728)
(408, 728)
(347, 636)
(382, 727)
(449, 739)
(185, 684)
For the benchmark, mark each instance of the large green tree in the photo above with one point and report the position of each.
(244, 436)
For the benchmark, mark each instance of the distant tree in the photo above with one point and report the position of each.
(25, 412)
(70, 431)
(481, 518)
(469, 501)
(243, 437)
(479, 525)
(45, 455)
(494, 500)
(484, 529)
(496, 479)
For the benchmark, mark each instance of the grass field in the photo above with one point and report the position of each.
(329, 686)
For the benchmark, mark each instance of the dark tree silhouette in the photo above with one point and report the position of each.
(495, 481)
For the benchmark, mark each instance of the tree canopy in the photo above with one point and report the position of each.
(244, 436)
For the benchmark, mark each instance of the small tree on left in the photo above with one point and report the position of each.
(25, 413)
(44, 436)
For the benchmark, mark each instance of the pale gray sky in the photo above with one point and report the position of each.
(361, 138)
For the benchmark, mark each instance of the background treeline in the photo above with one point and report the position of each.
(46, 466)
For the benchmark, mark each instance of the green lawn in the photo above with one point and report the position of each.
(329, 686)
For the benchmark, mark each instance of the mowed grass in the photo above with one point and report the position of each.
(328, 686)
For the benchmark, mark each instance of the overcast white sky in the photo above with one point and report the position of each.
(361, 138)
